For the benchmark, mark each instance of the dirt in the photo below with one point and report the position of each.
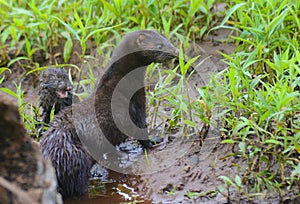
(195, 169)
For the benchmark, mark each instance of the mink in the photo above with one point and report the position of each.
(22, 167)
(55, 90)
(81, 132)
(54, 87)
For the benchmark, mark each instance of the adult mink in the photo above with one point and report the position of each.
(79, 131)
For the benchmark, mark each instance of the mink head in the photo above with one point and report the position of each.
(156, 47)
(56, 81)
(147, 44)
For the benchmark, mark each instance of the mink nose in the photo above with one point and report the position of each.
(176, 51)
(68, 88)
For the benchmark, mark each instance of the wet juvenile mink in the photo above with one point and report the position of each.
(83, 122)
(55, 88)
(22, 167)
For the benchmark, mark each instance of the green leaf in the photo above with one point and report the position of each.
(35, 9)
(21, 11)
(171, 75)
(194, 5)
(188, 65)
(240, 125)
(238, 181)
(68, 50)
(242, 147)
(10, 92)
(134, 19)
(271, 141)
(192, 195)
(228, 14)
(184, 107)
(189, 122)
(79, 22)
(102, 30)
(110, 7)
(66, 35)
(226, 180)
(13, 33)
(166, 25)
(68, 27)
(2, 79)
(232, 80)
(3, 69)
(296, 171)
(27, 46)
(275, 23)
(17, 59)
(228, 141)
(251, 59)
(5, 3)
(175, 30)
(202, 30)
(52, 113)
(58, 65)
(181, 59)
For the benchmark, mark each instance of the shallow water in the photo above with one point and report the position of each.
(117, 189)
(108, 186)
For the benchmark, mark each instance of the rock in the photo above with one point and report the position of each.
(25, 176)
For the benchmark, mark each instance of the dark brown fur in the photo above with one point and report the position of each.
(61, 142)
(21, 162)
(55, 88)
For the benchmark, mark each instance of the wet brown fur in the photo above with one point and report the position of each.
(53, 81)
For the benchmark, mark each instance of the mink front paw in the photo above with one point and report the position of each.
(146, 143)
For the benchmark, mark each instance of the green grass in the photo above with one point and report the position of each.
(258, 93)
(262, 100)
(31, 26)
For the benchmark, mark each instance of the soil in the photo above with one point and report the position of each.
(195, 170)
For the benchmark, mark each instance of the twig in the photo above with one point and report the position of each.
(22, 195)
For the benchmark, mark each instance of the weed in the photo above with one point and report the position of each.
(261, 101)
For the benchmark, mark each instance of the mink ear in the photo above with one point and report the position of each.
(44, 74)
(140, 39)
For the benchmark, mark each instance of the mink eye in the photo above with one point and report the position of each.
(159, 46)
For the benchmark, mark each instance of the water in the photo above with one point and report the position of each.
(117, 189)
(108, 186)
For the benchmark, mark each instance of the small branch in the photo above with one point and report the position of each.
(22, 196)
